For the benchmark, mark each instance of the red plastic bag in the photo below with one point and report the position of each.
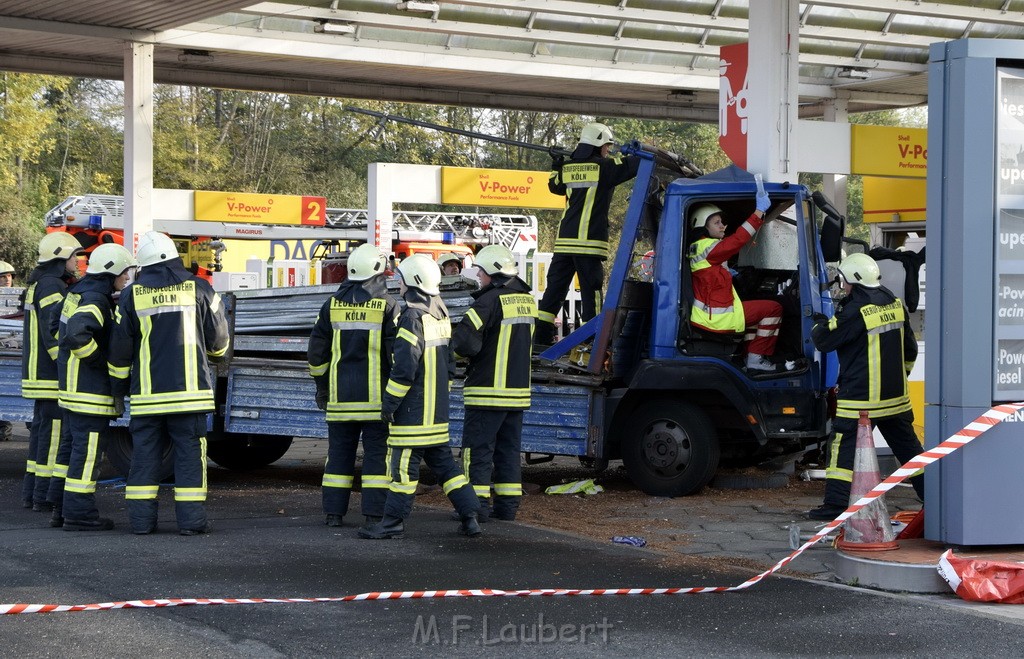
(980, 580)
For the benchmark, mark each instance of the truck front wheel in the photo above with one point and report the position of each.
(119, 453)
(244, 451)
(671, 449)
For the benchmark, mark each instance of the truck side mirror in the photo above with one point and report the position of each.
(832, 229)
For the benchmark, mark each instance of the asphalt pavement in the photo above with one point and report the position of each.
(269, 541)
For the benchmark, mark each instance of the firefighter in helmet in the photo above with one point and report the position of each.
(86, 320)
(872, 336)
(350, 360)
(171, 324)
(44, 295)
(496, 335)
(416, 404)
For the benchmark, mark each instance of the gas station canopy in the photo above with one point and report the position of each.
(655, 59)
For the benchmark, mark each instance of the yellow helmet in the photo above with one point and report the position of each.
(860, 269)
(596, 134)
(110, 258)
(58, 245)
(366, 262)
(699, 215)
(420, 271)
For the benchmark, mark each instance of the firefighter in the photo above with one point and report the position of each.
(350, 359)
(416, 404)
(716, 305)
(450, 264)
(6, 279)
(587, 180)
(86, 321)
(496, 334)
(170, 324)
(47, 286)
(872, 336)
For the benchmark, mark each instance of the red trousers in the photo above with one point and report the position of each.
(763, 319)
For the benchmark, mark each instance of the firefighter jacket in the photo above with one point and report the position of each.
(168, 324)
(44, 295)
(417, 390)
(716, 304)
(85, 324)
(350, 349)
(497, 336)
(872, 336)
(588, 181)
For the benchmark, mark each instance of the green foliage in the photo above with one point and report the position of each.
(20, 230)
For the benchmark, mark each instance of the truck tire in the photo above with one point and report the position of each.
(244, 451)
(672, 449)
(119, 454)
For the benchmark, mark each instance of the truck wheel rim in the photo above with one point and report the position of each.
(666, 447)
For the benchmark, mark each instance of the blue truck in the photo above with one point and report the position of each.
(637, 383)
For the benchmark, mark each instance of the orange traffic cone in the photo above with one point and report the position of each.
(868, 529)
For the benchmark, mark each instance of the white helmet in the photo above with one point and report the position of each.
(596, 134)
(110, 258)
(155, 247)
(58, 245)
(6, 268)
(448, 257)
(860, 269)
(366, 262)
(497, 259)
(699, 216)
(420, 271)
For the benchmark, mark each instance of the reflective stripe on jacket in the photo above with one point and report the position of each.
(872, 336)
(43, 299)
(169, 325)
(497, 336)
(417, 390)
(350, 350)
(83, 339)
(716, 305)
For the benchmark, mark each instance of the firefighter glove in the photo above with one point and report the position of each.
(557, 159)
(387, 417)
(819, 318)
(119, 405)
(763, 202)
(321, 399)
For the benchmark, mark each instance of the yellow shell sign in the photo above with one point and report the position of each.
(469, 186)
(260, 208)
(888, 151)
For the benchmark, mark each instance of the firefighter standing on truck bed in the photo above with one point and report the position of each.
(350, 359)
(496, 334)
(47, 286)
(588, 181)
(86, 322)
(416, 404)
(169, 324)
(872, 336)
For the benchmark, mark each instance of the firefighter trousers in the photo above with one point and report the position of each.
(898, 431)
(405, 476)
(88, 434)
(186, 434)
(589, 270)
(55, 491)
(343, 440)
(491, 447)
(763, 319)
(43, 443)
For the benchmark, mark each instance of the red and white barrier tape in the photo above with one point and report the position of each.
(977, 427)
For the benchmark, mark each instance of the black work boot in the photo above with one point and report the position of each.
(470, 527)
(205, 528)
(387, 528)
(42, 507)
(371, 520)
(101, 524)
(57, 518)
(333, 520)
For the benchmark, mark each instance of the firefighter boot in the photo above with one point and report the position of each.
(371, 520)
(99, 524)
(387, 528)
(470, 526)
(333, 520)
(57, 518)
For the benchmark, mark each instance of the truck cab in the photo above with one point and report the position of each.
(677, 401)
